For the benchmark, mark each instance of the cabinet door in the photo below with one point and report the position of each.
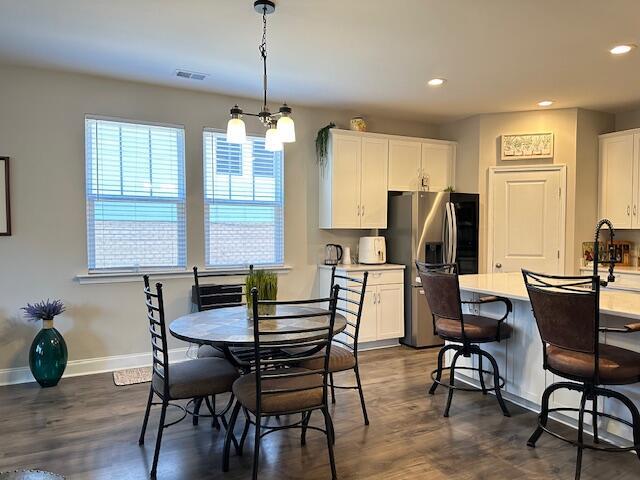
(616, 179)
(437, 166)
(373, 186)
(635, 210)
(404, 165)
(345, 188)
(390, 311)
(368, 320)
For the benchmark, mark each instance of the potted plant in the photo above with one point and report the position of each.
(48, 352)
(322, 144)
(267, 284)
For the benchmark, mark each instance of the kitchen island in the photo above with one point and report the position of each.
(520, 357)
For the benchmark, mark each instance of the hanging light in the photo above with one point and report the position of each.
(280, 125)
(236, 130)
(272, 141)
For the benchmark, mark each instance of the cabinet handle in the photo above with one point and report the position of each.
(358, 210)
(634, 210)
(628, 210)
(363, 210)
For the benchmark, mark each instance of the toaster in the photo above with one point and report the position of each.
(372, 250)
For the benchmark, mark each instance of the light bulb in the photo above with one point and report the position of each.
(286, 129)
(236, 131)
(272, 142)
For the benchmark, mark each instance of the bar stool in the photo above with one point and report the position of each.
(442, 290)
(567, 311)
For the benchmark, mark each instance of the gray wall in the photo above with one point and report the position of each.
(42, 130)
(628, 120)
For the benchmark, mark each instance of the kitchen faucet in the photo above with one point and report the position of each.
(596, 253)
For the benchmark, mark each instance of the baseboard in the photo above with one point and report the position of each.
(90, 366)
(377, 344)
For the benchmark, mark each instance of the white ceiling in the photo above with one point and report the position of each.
(372, 56)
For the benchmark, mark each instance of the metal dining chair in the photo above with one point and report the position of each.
(278, 386)
(198, 378)
(344, 352)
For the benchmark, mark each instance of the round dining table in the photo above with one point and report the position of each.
(233, 327)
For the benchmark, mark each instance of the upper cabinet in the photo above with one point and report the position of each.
(353, 182)
(619, 189)
(362, 167)
(421, 165)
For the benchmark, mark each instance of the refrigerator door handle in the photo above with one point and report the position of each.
(445, 235)
(449, 245)
(454, 230)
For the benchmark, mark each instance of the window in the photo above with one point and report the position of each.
(244, 218)
(135, 195)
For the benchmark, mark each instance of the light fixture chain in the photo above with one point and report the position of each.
(263, 53)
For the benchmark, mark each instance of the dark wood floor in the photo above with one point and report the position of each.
(86, 428)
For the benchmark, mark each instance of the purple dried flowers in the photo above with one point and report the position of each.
(44, 310)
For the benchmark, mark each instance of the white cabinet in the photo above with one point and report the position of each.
(421, 165)
(405, 158)
(353, 183)
(383, 308)
(619, 190)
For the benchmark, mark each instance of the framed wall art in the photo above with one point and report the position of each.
(527, 146)
(5, 207)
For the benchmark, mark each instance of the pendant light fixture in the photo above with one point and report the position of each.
(280, 126)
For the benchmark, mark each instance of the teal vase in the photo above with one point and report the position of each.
(48, 355)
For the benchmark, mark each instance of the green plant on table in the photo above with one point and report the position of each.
(266, 283)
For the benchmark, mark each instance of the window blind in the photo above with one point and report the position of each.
(135, 195)
(244, 203)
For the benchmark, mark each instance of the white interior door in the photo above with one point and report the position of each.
(526, 219)
(373, 189)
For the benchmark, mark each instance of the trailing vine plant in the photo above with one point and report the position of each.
(322, 143)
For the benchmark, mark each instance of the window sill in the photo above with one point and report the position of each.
(134, 277)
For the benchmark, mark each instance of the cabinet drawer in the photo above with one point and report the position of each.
(381, 277)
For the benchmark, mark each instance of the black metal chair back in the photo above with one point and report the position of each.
(442, 291)
(266, 341)
(159, 350)
(567, 312)
(351, 305)
(210, 296)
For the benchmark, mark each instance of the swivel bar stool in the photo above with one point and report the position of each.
(442, 290)
(567, 311)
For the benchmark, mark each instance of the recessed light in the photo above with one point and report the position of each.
(545, 103)
(622, 49)
(436, 82)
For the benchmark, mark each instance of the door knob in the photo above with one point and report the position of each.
(498, 265)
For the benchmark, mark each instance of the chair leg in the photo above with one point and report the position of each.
(228, 436)
(583, 402)
(306, 416)
(328, 425)
(156, 453)
(496, 382)
(359, 383)
(452, 380)
(333, 390)
(256, 449)
(441, 353)
(146, 417)
(211, 406)
(635, 416)
(480, 368)
(245, 432)
(544, 413)
(196, 410)
(594, 418)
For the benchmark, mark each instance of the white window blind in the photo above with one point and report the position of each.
(135, 195)
(244, 204)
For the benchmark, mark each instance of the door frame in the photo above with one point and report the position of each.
(556, 167)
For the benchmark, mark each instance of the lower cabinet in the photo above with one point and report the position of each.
(383, 308)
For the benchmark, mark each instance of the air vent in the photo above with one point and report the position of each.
(191, 75)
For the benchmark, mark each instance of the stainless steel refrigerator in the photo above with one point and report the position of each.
(432, 227)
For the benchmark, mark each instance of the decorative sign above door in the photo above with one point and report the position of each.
(527, 146)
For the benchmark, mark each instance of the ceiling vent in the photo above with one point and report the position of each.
(191, 75)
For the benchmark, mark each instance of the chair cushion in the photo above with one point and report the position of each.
(618, 366)
(207, 351)
(198, 378)
(245, 391)
(340, 359)
(476, 328)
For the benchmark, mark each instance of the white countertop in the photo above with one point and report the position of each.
(361, 267)
(511, 285)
